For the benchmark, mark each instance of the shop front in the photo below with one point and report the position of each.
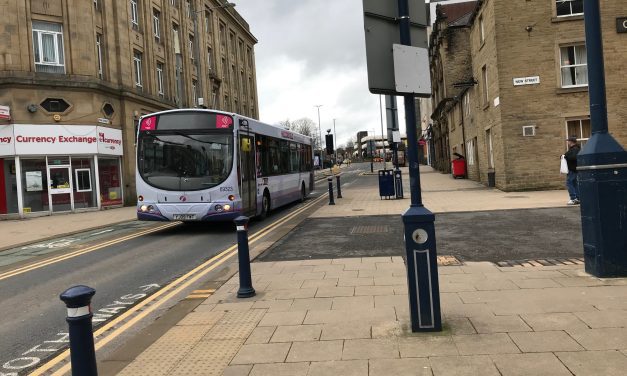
(47, 169)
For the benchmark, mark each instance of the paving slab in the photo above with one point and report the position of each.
(478, 365)
(594, 363)
(536, 364)
(315, 351)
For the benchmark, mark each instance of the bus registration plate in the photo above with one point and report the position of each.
(184, 217)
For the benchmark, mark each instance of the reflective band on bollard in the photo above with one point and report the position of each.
(77, 299)
(78, 312)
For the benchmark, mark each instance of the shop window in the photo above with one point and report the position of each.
(110, 182)
(34, 185)
(84, 182)
(8, 187)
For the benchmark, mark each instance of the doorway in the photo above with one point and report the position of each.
(248, 173)
(60, 188)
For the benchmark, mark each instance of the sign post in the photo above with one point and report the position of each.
(403, 69)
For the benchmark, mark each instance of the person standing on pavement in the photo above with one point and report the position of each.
(571, 177)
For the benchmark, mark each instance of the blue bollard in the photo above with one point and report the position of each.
(339, 189)
(77, 299)
(331, 200)
(246, 289)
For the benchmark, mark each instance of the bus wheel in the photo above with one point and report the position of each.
(303, 193)
(265, 205)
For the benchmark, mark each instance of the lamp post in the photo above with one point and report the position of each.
(319, 133)
(197, 43)
(334, 142)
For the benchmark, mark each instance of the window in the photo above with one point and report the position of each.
(490, 149)
(175, 37)
(137, 64)
(574, 65)
(160, 79)
(484, 81)
(99, 52)
(134, 15)
(466, 104)
(481, 30)
(97, 5)
(173, 3)
(569, 7)
(83, 179)
(208, 22)
(194, 93)
(249, 57)
(579, 128)
(48, 47)
(209, 60)
(232, 40)
(470, 152)
(222, 37)
(188, 8)
(156, 24)
(191, 47)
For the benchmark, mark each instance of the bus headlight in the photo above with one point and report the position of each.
(227, 207)
(218, 208)
(148, 208)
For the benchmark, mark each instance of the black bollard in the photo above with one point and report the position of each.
(331, 201)
(77, 299)
(246, 289)
(339, 189)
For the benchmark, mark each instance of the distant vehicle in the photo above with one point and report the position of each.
(205, 165)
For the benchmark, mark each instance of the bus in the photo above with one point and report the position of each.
(198, 165)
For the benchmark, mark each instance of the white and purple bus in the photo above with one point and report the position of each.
(205, 165)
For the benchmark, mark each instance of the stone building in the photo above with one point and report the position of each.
(76, 75)
(527, 90)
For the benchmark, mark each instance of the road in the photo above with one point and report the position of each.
(125, 273)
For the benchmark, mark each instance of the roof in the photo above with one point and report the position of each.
(456, 14)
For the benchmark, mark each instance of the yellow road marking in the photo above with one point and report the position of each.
(216, 260)
(203, 291)
(198, 296)
(79, 252)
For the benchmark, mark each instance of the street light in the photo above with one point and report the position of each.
(226, 5)
(319, 133)
(335, 142)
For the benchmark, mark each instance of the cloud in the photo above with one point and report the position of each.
(309, 53)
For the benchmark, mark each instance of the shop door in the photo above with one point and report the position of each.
(248, 176)
(60, 188)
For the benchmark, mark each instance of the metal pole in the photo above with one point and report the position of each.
(596, 69)
(420, 244)
(77, 299)
(334, 142)
(246, 289)
(382, 136)
(319, 134)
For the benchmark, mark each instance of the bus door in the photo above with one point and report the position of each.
(248, 176)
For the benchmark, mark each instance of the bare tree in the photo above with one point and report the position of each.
(285, 124)
(304, 126)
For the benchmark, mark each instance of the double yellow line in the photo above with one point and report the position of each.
(79, 252)
(172, 289)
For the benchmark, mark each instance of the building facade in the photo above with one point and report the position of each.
(76, 75)
(526, 91)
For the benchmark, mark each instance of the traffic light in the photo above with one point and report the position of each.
(328, 139)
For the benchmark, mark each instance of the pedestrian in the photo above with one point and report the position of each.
(571, 177)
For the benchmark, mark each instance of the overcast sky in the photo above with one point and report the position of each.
(313, 52)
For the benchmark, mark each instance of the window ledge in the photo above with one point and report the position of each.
(486, 106)
(568, 90)
(578, 17)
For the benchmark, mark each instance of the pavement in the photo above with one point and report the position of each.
(349, 315)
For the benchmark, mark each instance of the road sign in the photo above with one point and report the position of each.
(382, 32)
